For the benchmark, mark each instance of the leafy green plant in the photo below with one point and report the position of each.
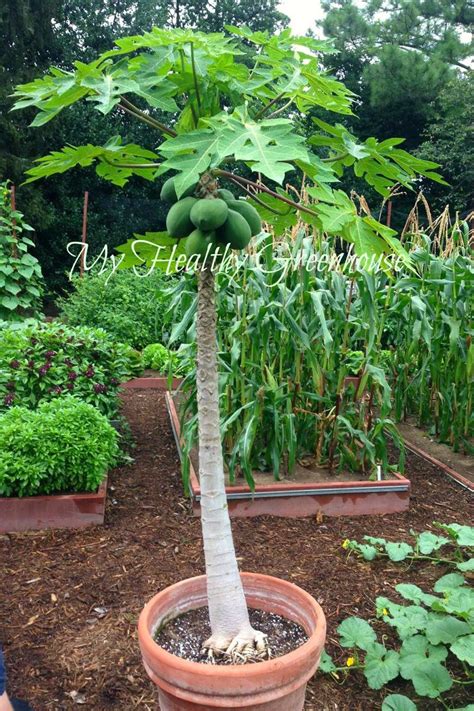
(283, 338)
(425, 546)
(129, 306)
(157, 357)
(429, 327)
(44, 361)
(434, 649)
(62, 446)
(21, 280)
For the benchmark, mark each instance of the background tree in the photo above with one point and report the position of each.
(450, 137)
(190, 77)
(399, 56)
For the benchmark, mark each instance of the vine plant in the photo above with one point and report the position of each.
(224, 106)
(21, 280)
(434, 647)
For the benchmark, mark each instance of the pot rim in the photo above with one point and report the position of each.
(232, 670)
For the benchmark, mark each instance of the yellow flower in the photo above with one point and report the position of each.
(346, 543)
(350, 661)
(385, 611)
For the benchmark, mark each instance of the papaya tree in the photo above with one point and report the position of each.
(225, 107)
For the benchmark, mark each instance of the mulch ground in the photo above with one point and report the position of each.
(70, 600)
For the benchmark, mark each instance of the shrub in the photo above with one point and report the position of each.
(160, 358)
(62, 446)
(130, 308)
(43, 361)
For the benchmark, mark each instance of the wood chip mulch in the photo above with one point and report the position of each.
(70, 599)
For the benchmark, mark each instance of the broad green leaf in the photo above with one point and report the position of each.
(280, 216)
(431, 679)
(335, 218)
(464, 535)
(416, 651)
(445, 629)
(9, 302)
(429, 542)
(398, 551)
(326, 664)
(457, 601)
(83, 156)
(448, 582)
(414, 593)
(398, 702)
(368, 552)
(467, 566)
(107, 89)
(266, 146)
(380, 666)
(356, 632)
(375, 541)
(463, 648)
(406, 619)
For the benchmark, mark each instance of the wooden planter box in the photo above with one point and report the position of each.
(33, 513)
(291, 500)
(159, 382)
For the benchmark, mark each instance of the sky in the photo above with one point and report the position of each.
(302, 13)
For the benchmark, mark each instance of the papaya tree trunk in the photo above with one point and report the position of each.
(227, 606)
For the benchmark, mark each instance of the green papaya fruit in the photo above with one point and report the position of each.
(250, 214)
(209, 213)
(178, 221)
(235, 231)
(226, 195)
(168, 192)
(198, 242)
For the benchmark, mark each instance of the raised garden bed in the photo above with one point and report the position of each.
(332, 497)
(151, 379)
(32, 513)
(457, 466)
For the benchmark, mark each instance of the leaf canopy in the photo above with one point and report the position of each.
(235, 99)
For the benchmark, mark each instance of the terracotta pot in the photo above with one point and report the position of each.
(275, 685)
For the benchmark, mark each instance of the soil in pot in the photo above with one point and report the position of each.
(184, 635)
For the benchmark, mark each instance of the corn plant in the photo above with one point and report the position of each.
(429, 325)
(286, 338)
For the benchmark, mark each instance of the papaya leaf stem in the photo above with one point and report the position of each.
(265, 108)
(263, 188)
(256, 199)
(196, 84)
(132, 166)
(130, 108)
